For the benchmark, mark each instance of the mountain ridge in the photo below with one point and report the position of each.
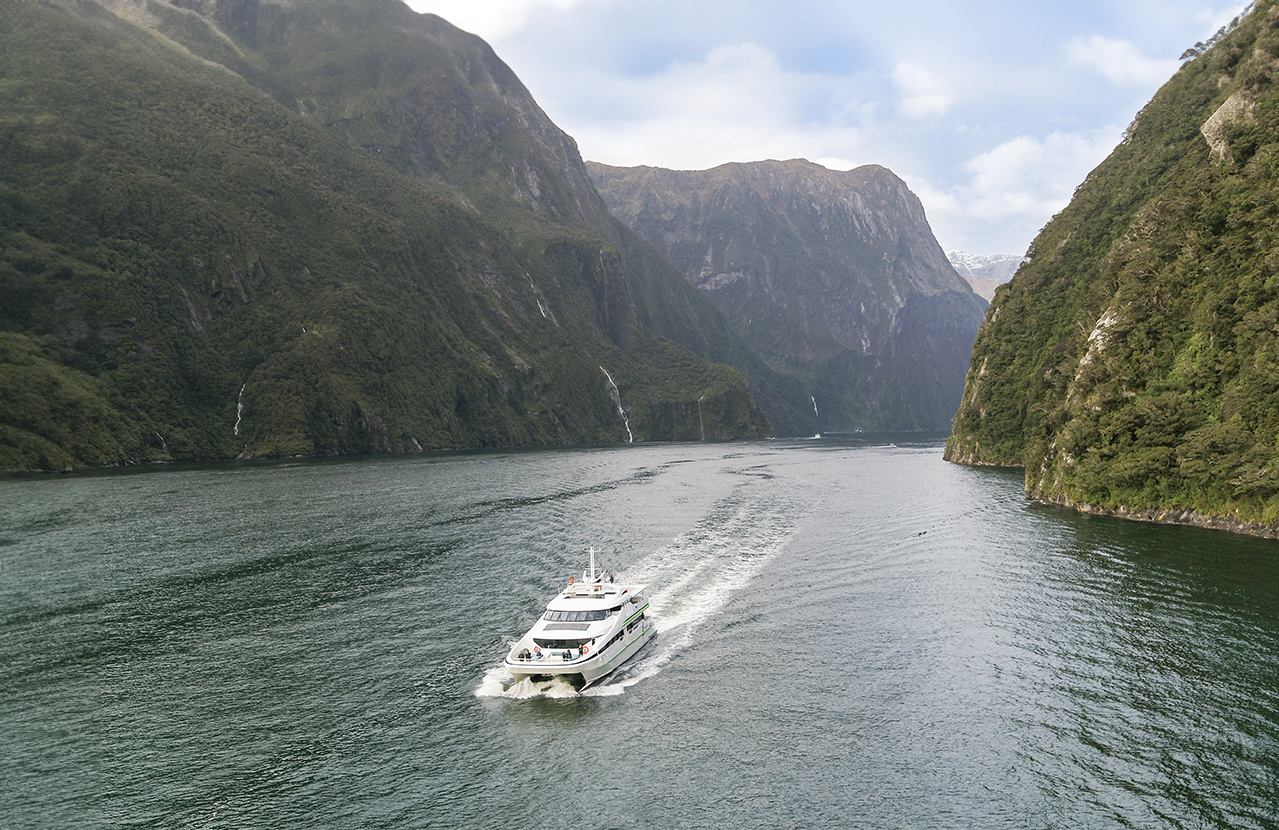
(194, 267)
(985, 272)
(833, 277)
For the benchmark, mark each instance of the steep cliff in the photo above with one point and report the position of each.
(256, 227)
(833, 278)
(1132, 365)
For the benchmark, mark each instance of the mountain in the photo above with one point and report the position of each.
(270, 228)
(985, 273)
(1132, 365)
(833, 278)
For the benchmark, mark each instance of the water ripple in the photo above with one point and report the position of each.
(850, 633)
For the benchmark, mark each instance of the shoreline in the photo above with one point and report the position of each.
(1167, 516)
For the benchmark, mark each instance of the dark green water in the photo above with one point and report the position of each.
(850, 636)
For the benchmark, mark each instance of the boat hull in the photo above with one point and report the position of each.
(586, 669)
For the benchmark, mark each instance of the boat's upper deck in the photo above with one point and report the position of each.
(590, 596)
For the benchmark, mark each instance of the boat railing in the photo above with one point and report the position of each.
(552, 656)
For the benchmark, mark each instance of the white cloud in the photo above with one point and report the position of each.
(740, 83)
(490, 19)
(923, 93)
(1215, 20)
(835, 163)
(1037, 174)
(1015, 186)
(1120, 61)
(694, 85)
(736, 104)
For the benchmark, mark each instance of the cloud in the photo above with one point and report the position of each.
(737, 103)
(923, 93)
(1120, 61)
(1214, 20)
(1015, 186)
(991, 129)
(1037, 174)
(740, 83)
(491, 19)
(835, 163)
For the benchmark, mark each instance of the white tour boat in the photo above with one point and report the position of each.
(589, 629)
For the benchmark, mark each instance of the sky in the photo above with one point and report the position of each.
(991, 111)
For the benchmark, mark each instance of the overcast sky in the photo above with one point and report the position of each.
(992, 111)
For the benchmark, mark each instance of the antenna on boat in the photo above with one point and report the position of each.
(592, 579)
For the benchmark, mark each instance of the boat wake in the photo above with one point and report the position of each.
(688, 582)
(498, 682)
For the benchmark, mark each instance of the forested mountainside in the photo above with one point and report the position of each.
(1132, 365)
(270, 228)
(833, 278)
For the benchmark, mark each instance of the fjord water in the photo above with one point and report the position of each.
(851, 635)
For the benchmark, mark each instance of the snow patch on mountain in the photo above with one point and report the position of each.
(985, 272)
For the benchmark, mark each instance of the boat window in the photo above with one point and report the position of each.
(557, 645)
(575, 616)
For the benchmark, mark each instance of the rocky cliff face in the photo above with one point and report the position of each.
(270, 228)
(833, 278)
(432, 101)
(1132, 365)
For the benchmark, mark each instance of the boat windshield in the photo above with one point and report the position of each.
(556, 645)
(575, 616)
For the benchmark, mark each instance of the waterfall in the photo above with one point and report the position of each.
(617, 396)
(815, 412)
(239, 409)
(700, 425)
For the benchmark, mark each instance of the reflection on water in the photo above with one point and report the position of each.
(851, 633)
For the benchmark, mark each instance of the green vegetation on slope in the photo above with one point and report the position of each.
(1133, 363)
(189, 269)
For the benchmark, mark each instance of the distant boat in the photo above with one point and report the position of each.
(587, 632)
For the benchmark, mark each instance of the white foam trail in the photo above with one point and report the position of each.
(694, 577)
(647, 666)
(688, 582)
(492, 685)
(498, 682)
